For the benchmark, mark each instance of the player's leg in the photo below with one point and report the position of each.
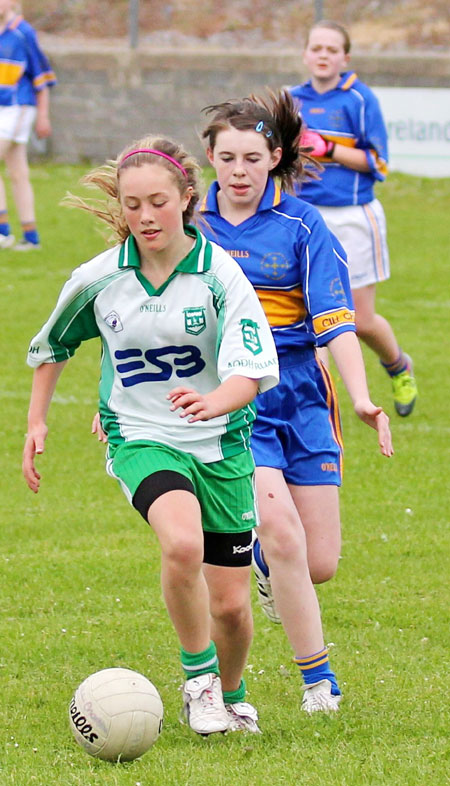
(283, 541)
(378, 334)
(175, 517)
(6, 238)
(229, 512)
(158, 482)
(19, 173)
(361, 229)
(372, 328)
(318, 507)
(231, 619)
(232, 633)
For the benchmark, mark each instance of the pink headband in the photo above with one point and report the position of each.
(156, 153)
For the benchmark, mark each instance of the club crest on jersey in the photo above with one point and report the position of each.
(194, 320)
(274, 265)
(250, 336)
(113, 321)
(337, 289)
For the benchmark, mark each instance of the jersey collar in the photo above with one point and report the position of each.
(197, 261)
(346, 81)
(14, 22)
(270, 198)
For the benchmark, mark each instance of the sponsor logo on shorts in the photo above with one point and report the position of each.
(250, 336)
(34, 349)
(328, 466)
(113, 321)
(194, 320)
(241, 549)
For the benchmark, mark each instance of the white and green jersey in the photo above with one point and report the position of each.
(202, 326)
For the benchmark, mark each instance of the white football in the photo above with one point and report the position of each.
(116, 714)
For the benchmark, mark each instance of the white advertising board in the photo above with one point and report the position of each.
(418, 124)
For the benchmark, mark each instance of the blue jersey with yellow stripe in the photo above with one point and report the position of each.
(38, 72)
(298, 269)
(349, 115)
(13, 60)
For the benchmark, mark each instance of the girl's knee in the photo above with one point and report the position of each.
(364, 325)
(282, 538)
(322, 569)
(232, 611)
(184, 554)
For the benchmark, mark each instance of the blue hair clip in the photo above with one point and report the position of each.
(260, 127)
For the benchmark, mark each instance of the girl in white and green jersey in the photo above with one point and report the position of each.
(185, 349)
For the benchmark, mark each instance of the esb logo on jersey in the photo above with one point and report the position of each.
(157, 365)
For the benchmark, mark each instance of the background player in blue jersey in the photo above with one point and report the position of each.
(287, 252)
(347, 135)
(185, 348)
(29, 105)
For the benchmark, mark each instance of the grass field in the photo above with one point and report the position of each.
(79, 570)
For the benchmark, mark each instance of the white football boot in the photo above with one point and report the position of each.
(318, 697)
(6, 241)
(243, 717)
(25, 245)
(203, 708)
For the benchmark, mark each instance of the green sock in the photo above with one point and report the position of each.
(233, 696)
(196, 663)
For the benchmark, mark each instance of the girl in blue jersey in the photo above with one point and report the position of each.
(347, 134)
(28, 105)
(299, 273)
(185, 348)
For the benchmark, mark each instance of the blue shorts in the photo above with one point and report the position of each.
(298, 427)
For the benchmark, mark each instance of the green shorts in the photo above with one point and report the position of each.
(224, 489)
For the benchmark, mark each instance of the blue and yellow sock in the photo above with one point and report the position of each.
(196, 663)
(315, 668)
(400, 365)
(234, 696)
(5, 228)
(30, 233)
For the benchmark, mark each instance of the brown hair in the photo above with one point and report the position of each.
(328, 24)
(274, 115)
(107, 179)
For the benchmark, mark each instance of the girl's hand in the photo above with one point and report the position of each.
(34, 445)
(318, 146)
(42, 127)
(378, 420)
(194, 404)
(96, 428)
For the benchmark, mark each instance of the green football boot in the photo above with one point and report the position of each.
(405, 390)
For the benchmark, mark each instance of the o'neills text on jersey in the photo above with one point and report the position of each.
(157, 308)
